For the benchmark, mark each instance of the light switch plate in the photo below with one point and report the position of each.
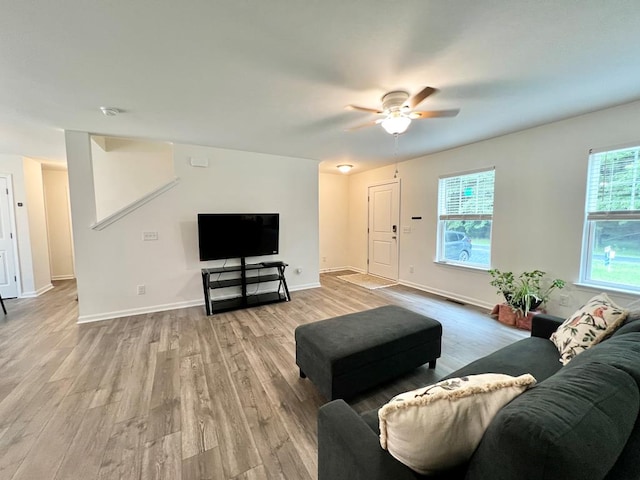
(149, 236)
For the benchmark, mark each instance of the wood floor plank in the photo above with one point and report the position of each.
(137, 391)
(84, 456)
(124, 451)
(204, 466)
(237, 446)
(46, 455)
(21, 435)
(181, 395)
(164, 416)
(162, 459)
(196, 408)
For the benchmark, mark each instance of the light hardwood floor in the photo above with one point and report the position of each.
(179, 395)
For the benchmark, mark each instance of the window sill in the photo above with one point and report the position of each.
(463, 266)
(604, 288)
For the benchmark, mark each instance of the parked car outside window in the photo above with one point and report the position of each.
(457, 246)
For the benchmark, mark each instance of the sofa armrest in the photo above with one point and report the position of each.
(349, 450)
(543, 325)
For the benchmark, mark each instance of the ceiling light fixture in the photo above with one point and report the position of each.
(344, 168)
(109, 111)
(396, 123)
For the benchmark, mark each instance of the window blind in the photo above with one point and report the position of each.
(613, 184)
(468, 196)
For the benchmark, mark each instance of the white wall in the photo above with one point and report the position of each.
(37, 225)
(110, 263)
(126, 170)
(56, 195)
(538, 213)
(334, 222)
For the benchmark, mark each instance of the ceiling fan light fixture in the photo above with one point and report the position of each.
(396, 124)
(344, 168)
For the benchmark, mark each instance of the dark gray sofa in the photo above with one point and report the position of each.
(580, 421)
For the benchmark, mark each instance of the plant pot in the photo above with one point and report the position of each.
(514, 318)
(507, 315)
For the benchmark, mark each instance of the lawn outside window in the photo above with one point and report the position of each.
(465, 218)
(611, 243)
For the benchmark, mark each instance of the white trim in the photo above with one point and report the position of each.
(614, 148)
(62, 277)
(334, 269)
(446, 294)
(139, 311)
(305, 286)
(37, 293)
(467, 172)
(606, 288)
(123, 212)
(98, 317)
(14, 231)
(399, 226)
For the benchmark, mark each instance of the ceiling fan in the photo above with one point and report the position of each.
(398, 111)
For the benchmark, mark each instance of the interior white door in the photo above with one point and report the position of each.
(8, 283)
(384, 219)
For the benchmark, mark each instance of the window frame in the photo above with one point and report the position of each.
(592, 217)
(443, 218)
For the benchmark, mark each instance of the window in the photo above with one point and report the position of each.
(465, 209)
(611, 246)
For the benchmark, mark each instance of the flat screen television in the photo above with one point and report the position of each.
(235, 235)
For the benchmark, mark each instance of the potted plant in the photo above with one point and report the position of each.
(523, 294)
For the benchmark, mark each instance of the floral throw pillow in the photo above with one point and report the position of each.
(594, 322)
(435, 428)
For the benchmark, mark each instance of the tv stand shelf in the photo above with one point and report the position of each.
(243, 275)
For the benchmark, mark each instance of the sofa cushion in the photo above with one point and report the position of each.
(593, 322)
(572, 426)
(537, 356)
(438, 427)
(630, 324)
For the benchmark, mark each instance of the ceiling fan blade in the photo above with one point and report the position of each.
(364, 125)
(434, 114)
(363, 109)
(420, 96)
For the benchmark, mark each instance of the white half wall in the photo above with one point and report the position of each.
(127, 169)
(334, 221)
(110, 263)
(539, 205)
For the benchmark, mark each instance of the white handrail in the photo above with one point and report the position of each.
(123, 212)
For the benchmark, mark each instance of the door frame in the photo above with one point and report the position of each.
(14, 230)
(378, 184)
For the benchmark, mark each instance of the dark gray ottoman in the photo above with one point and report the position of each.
(345, 355)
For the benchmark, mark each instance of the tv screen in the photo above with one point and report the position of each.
(233, 235)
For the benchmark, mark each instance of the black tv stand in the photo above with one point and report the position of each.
(241, 276)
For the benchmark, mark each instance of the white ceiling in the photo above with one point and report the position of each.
(273, 76)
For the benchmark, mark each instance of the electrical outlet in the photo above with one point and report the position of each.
(141, 289)
(410, 268)
(324, 259)
(564, 300)
(406, 229)
(149, 236)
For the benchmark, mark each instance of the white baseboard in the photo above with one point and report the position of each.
(98, 317)
(63, 277)
(333, 269)
(304, 287)
(446, 294)
(37, 293)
